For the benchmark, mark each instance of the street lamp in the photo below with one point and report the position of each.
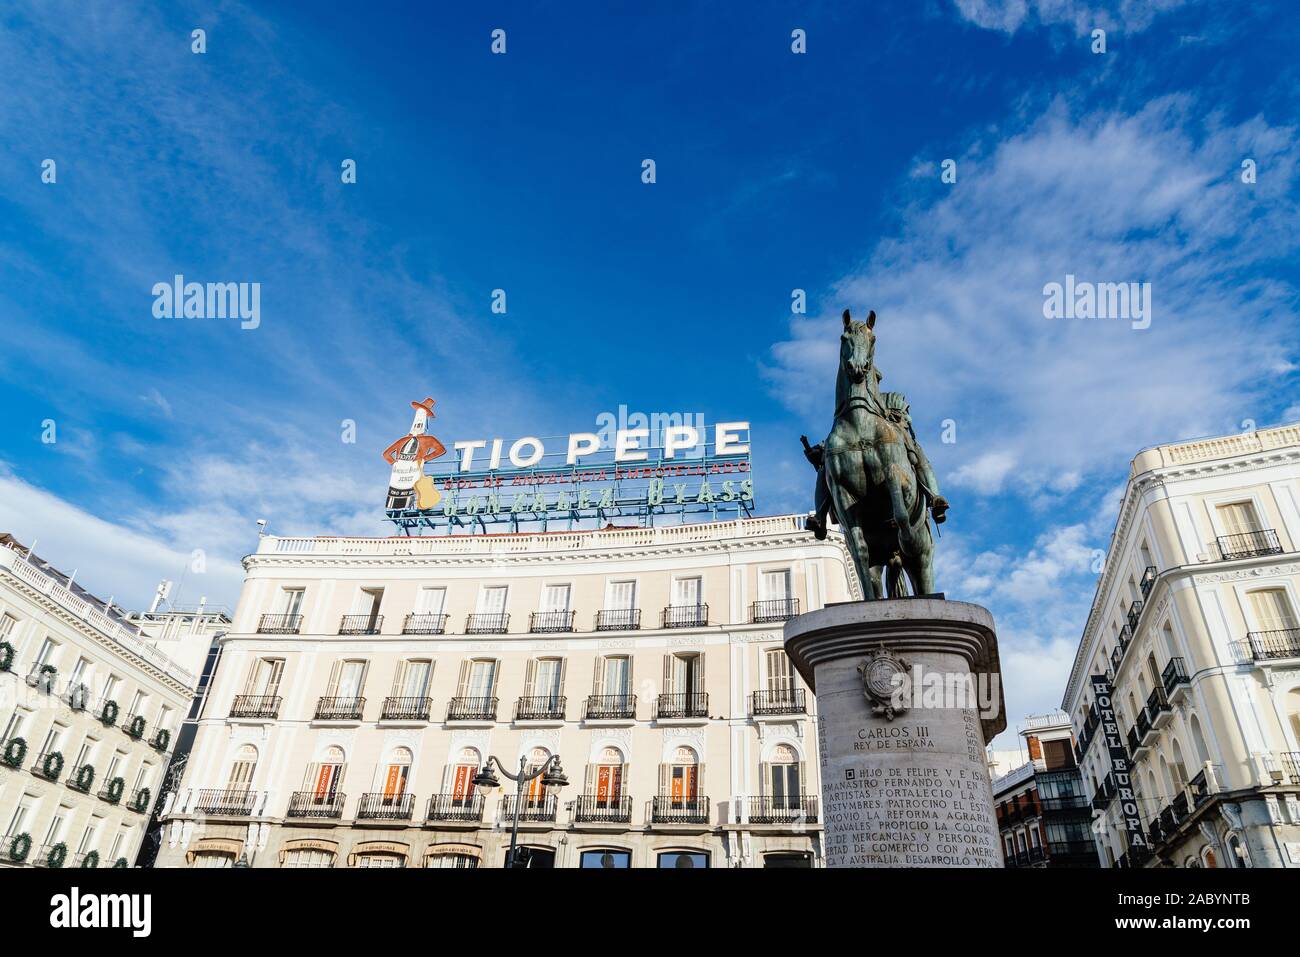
(549, 771)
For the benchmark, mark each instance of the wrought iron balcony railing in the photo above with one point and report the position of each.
(1289, 761)
(406, 709)
(774, 609)
(279, 624)
(693, 704)
(455, 807)
(667, 809)
(472, 709)
(611, 706)
(316, 805)
(487, 623)
(1278, 643)
(1105, 793)
(685, 616)
(361, 624)
(598, 809)
(786, 809)
(1134, 615)
(1148, 581)
(255, 706)
(382, 806)
(225, 803)
(540, 708)
(417, 624)
(1249, 544)
(340, 709)
(550, 621)
(535, 808)
(778, 701)
(1175, 674)
(1064, 802)
(1157, 702)
(618, 619)
(1134, 738)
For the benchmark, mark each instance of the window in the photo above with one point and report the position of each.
(684, 674)
(14, 728)
(347, 679)
(164, 720)
(1238, 518)
(545, 679)
(79, 671)
(7, 625)
(536, 796)
(431, 601)
(478, 678)
(18, 820)
(605, 779)
(1292, 717)
(492, 600)
(46, 653)
(682, 778)
(326, 777)
(213, 859)
(264, 677)
(787, 859)
(684, 859)
(396, 774)
(780, 670)
(309, 857)
(55, 831)
(620, 596)
(367, 604)
(606, 858)
(686, 592)
(555, 598)
(412, 679)
(1272, 610)
(784, 778)
(243, 769)
(291, 601)
(613, 676)
(87, 842)
(451, 859)
(774, 585)
(461, 778)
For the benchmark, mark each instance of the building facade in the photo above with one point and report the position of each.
(1043, 813)
(364, 683)
(1185, 690)
(89, 711)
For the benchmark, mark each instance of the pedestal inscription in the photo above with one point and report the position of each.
(914, 790)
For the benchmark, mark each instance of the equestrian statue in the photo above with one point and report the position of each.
(873, 478)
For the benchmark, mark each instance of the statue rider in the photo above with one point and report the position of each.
(899, 412)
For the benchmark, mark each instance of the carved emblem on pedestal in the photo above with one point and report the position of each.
(884, 675)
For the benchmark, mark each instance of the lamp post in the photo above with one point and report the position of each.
(549, 771)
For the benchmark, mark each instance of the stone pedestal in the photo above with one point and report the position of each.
(909, 692)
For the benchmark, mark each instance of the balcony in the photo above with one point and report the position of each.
(791, 809)
(48, 765)
(535, 809)
(77, 696)
(424, 624)
(540, 708)
(340, 709)
(1158, 707)
(1144, 726)
(1248, 544)
(595, 809)
(777, 701)
(689, 705)
(1134, 616)
(279, 624)
(611, 707)
(1271, 645)
(455, 807)
(312, 805)
(666, 809)
(487, 623)
(406, 709)
(773, 609)
(1289, 765)
(546, 622)
(216, 803)
(134, 726)
(260, 707)
(1175, 677)
(1105, 793)
(1059, 850)
(1064, 803)
(618, 619)
(378, 806)
(44, 678)
(1148, 581)
(472, 709)
(685, 616)
(361, 624)
(1135, 740)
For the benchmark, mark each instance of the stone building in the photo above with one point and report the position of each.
(364, 682)
(1185, 690)
(89, 712)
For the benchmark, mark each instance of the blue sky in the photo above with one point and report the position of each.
(775, 171)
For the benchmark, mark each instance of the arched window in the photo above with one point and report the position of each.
(396, 774)
(1198, 740)
(1238, 854)
(1208, 857)
(213, 859)
(605, 782)
(325, 778)
(1293, 716)
(536, 797)
(308, 857)
(784, 779)
(680, 779)
(684, 859)
(605, 857)
(1179, 766)
(460, 778)
(243, 769)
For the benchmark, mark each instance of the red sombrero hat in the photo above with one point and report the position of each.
(426, 405)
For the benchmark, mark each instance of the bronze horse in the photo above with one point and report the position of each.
(881, 503)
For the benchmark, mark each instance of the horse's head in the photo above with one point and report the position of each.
(858, 347)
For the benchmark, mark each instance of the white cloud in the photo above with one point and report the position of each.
(1008, 16)
(986, 473)
(110, 558)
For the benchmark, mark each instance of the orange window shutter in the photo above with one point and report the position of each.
(390, 783)
(678, 775)
(690, 783)
(458, 783)
(323, 782)
(602, 783)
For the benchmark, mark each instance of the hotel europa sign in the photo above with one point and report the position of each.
(670, 469)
